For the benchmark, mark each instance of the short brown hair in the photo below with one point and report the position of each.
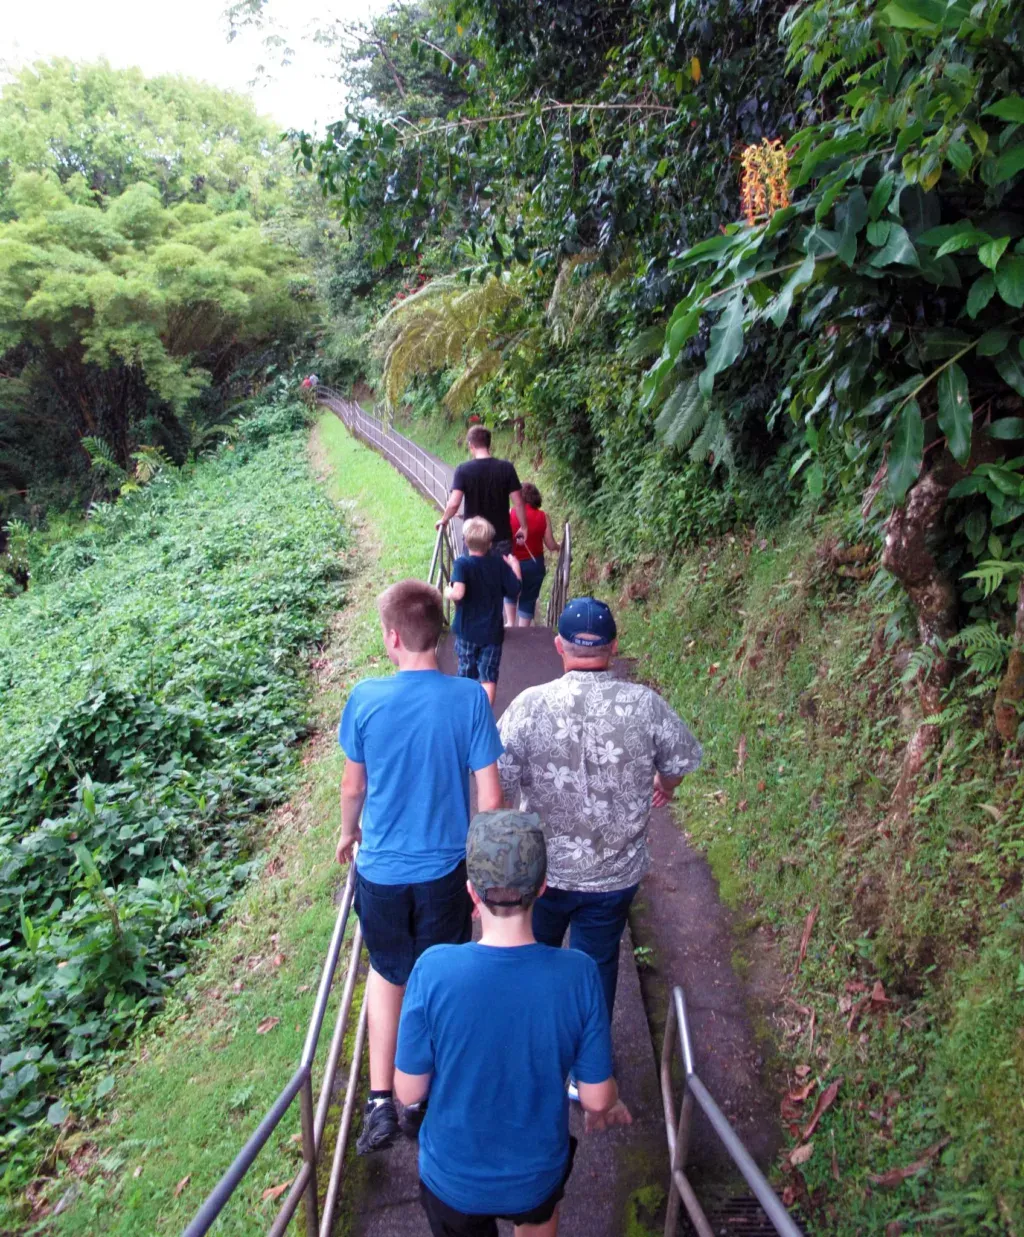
(413, 609)
(507, 903)
(479, 436)
(531, 494)
(478, 533)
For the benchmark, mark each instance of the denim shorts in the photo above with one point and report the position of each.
(533, 570)
(478, 661)
(400, 921)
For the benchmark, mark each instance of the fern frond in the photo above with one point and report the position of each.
(684, 414)
(713, 443)
(579, 294)
(443, 326)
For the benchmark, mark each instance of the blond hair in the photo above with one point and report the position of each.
(478, 534)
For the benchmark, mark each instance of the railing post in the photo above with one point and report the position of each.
(309, 1155)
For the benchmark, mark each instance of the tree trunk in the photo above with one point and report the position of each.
(1011, 689)
(907, 554)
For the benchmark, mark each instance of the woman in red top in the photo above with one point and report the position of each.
(530, 556)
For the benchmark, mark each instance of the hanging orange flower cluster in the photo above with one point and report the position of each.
(764, 185)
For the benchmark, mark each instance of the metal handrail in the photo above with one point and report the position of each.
(434, 479)
(678, 1134)
(559, 596)
(301, 1085)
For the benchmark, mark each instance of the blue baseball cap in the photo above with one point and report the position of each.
(588, 622)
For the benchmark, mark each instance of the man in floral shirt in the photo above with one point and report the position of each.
(591, 754)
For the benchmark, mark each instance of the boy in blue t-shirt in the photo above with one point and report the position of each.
(410, 743)
(491, 1031)
(480, 583)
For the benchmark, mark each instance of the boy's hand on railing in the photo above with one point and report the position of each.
(346, 846)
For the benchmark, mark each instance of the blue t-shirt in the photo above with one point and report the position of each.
(489, 580)
(419, 733)
(500, 1030)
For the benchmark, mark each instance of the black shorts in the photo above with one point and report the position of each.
(400, 921)
(445, 1221)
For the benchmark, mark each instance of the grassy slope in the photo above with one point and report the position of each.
(769, 652)
(202, 1076)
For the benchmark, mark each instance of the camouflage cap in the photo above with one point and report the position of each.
(506, 850)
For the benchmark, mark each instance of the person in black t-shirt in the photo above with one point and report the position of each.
(487, 485)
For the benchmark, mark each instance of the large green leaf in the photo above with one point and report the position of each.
(881, 194)
(1010, 108)
(1009, 279)
(990, 252)
(852, 215)
(1006, 427)
(993, 342)
(1008, 164)
(964, 238)
(913, 14)
(726, 343)
(955, 413)
(906, 452)
(778, 309)
(1011, 370)
(982, 291)
(897, 248)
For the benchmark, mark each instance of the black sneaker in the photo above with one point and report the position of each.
(380, 1127)
(412, 1118)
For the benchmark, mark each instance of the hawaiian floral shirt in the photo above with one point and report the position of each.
(582, 752)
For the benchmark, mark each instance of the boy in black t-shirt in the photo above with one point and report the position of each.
(480, 583)
(485, 486)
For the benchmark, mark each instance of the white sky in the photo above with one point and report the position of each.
(188, 37)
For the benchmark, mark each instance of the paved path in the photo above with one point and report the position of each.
(609, 1167)
(679, 915)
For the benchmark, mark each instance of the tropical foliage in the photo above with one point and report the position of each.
(139, 289)
(153, 688)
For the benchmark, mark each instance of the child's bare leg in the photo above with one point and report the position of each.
(492, 690)
(550, 1229)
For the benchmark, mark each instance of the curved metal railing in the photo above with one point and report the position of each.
(433, 479)
(430, 476)
(677, 1131)
(314, 1122)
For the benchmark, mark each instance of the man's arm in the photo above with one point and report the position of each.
(520, 510)
(601, 1106)
(411, 1088)
(353, 796)
(488, 789)
(452, 510)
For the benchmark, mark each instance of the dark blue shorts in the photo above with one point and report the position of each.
(478, 661)
(533, 577)
(400, 921)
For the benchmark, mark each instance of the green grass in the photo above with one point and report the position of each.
(765, 652)
(202, 1076)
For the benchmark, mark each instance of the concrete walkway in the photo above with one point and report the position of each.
(679, 915)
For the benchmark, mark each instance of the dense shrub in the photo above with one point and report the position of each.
(153, 691)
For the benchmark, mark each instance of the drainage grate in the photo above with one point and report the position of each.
(735, 1217)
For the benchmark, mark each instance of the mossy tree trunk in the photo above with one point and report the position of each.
(908, 554)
